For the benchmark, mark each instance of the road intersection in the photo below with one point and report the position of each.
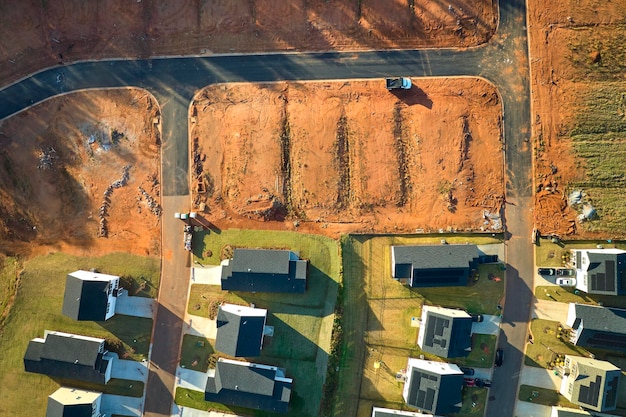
(174, 81)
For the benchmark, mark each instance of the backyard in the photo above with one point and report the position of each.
(547, 344)
(543, 396)
(302, 322)
(37, 307)
(377, 317)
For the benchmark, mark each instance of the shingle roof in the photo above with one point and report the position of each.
(240, 330)
(386, 412)
(435, 387)
(265, 270)
(435, 257)
(70, 402)
(594, 383)
(249, 385)
(446, 332)
(86, 295)
(603, 327)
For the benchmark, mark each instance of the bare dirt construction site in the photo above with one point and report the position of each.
(578, 64)
(71, 174)
(36, 34)
(336, 157)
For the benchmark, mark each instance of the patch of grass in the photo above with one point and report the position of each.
(195, 353)
(474, 401)
(546, 344)
(567, 295)
(482, 354)
(9, 272)
(598, 53)
(543, 396)
(37, 307)
(552, 254)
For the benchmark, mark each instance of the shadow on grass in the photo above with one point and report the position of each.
(133, 332)
(113, 387)
(195, 353)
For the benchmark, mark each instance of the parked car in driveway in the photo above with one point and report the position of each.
(499, 357)
(477, 317)
(565, 272)
(469, 382)
(467, 371)
(482, 382)
(566, 282)
(546, 271)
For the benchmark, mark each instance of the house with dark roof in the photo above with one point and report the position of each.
(72, 402)
(388, 412)
(597, 327)
(249, 385)
(70, 356)
(264, 270)
(436, 266)
(600, 271)
(445, 332)
(90, 296)
(240, 330)
(590, 383)
(433, 387)
(575, 412)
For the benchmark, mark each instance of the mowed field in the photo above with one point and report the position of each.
(350, 153)
(302, 323)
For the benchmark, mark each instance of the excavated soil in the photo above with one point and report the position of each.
(36, 34)
(336, 157)
(558, 87)
(57, 161)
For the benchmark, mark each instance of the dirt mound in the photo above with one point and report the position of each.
(349, 156)
(70, 173)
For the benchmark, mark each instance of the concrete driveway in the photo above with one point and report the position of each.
(526, 409)
(495, 249)
(135, 306)
(118, 404)
(540, 377)
(550, 310)
(210, 275)
(194, 380)
(132, 370)
(200, 326)
(489, 325)
(192, 412)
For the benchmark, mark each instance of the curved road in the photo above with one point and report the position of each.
(174, 81)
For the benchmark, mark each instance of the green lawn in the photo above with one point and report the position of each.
(195, 353)
(546, 344)
(378, 310)
(552, 254)
(482, 354)
(37, 307)
(302, 322)
(474, 401)
(543, 396)
(567, 295)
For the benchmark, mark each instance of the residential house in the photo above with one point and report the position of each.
(600, 271)
(71, 356)
(433, 387)
(445, 332)
(264, 270)
(590, 383)
(249, 385)
(388, 412)
(575, 412)
(436, 266)
(72, 402)
(90, 296)
(240, 330)
(597, 327)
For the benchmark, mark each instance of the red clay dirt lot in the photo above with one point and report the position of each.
(336, 157)
(36, 34)
(57, 160)
(570, 44)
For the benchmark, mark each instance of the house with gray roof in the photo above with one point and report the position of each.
(435, 266)
(590, 383)
(597, 327)
(388, 412)
(71, 356)
(600, 271)
(433, 387)
(249, 385)
(557, 411)
(264, 270)
(240, 330)
(445, 332)
(90, 296)
(72, 402)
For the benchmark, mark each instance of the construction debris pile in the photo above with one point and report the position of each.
(46, 157)
(153, 205)
(106, 201)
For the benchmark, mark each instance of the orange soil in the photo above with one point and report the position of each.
(360, 158)
(555, 93)
(57, 207)
(36, 34)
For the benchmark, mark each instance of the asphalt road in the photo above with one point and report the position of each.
(174, 81)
